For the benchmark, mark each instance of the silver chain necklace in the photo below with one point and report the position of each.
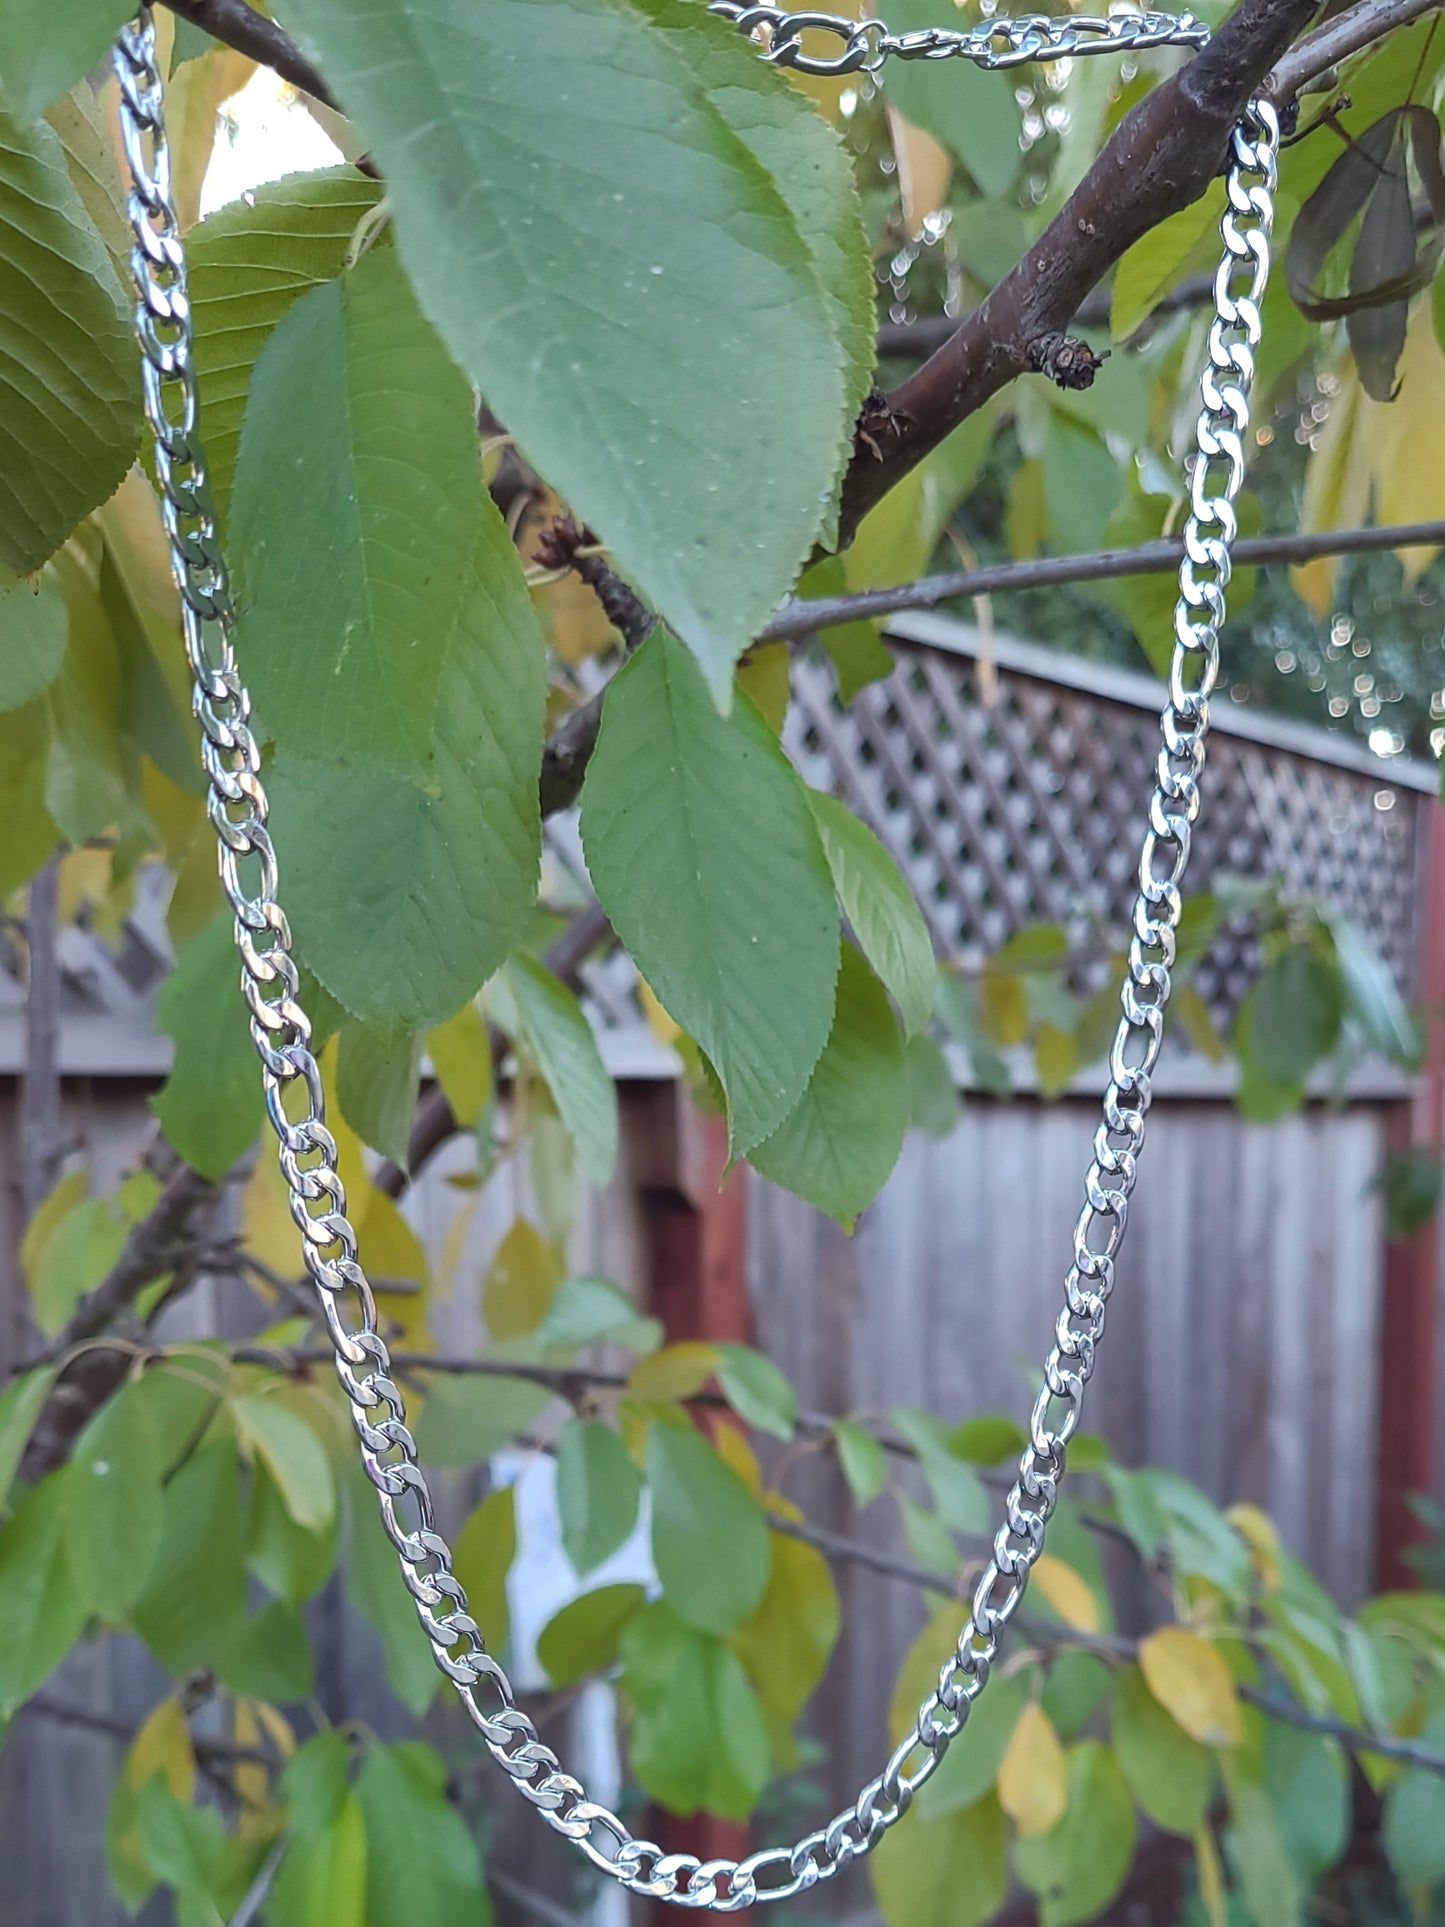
(282, 1032)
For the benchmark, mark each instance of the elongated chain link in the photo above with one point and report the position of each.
(867, 44)
(292, 1079)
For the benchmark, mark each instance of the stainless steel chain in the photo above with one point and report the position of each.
(292, 1079)
(994, 44)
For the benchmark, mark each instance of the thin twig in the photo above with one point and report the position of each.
(249, 32)
(225, 1752)
(912, 340)
(259, 1891)
(1113, 1647)
(40, 1111)
(801, 617)
(1348, 33)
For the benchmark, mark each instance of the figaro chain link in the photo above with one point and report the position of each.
(292, 1079)
(996, 44)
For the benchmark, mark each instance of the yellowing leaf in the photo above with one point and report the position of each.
(524, 1276)
(1148, 270)
(662, 1026)
(267, 1227)
(763, 675)
(57, 1205)
(1257, 1530)
(1071, 1596)
(1211, 1879)
(734, 1451)
(1033, 1777)
(194, 95)
(1388, 453)
(925, 168)
(162, 1745)
(1193, 1684)
(461, 1055)
(676, 1372)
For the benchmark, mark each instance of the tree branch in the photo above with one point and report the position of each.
(1112, 1647)
(914, 340)
(154, 1246)
(249, 32)
(1162, 157)
(1348, 33)
(803, 617)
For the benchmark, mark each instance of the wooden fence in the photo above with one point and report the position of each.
(1261, 1320)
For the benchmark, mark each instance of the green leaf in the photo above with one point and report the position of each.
(971, 1766)
(292, 1561)
(933, 1101)
(1262, 1864)
(269, 1657)
(69, 367)
(971, 112)
(988, 1439)
(33, 624)
(880, 909)
(957, 1490)
(356, 490)
(709, 1539)
(1169, 1774)
(1076, 1684)
(185, 1846)
(422, 1861)
(838, 1147)
(375, 1587)
(1414, 1820)
(1150, 268)
(600, 155)
(249, 262)
(195, 1595)
(598, 1489)
(786, 1643)
(115, 1507)
(570, 1062)
(702, 849)
(77, 1248)
(953, 1873)
(30, 831)
(484, 1551)
(377, 1074)
(1371, 997)
(212, 1104)
(322, 1880)
(465, 1420)
(421, 882)
(41, 1607)
(757, 1390)
(1310, 1781)
(585, 1636)
(90, 780)
(38, 67)
(698, 1742)
(864, 1462)
(1079, 1865)
(1291, 1018)
(277, 1435)
(594, 1311)
(21, 1403)
(809, 167)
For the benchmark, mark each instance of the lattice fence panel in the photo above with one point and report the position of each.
(1027, 806)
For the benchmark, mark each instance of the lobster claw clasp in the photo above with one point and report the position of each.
(862, 39)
